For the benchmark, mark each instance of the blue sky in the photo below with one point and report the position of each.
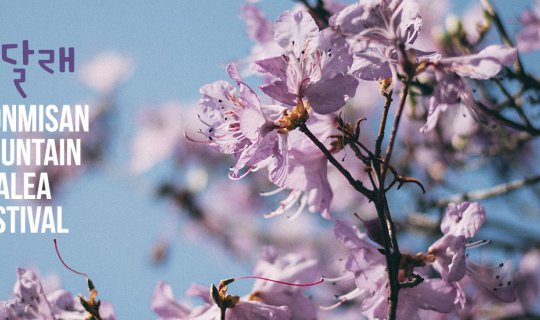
(113, 218)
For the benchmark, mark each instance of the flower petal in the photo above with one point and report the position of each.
(327, 96)
(296, 31)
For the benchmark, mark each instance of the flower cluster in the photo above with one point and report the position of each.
(315, 66)
(31, 301)
(337, 107)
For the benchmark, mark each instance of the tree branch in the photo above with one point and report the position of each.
(395, 127)
(382, 126)
(356, 184)
(494, 17)
(494, 191)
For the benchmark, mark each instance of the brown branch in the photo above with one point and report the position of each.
(356, 184)
(382, 126)
(393, 257)
(526, 79)
(395, 127)
(507, 122)
(391, 252)
(514, 103)
(391, 249)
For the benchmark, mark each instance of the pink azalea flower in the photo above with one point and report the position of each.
(261, 31)
(290, 268)
(302, 167)
(267, 300)
(258, 28)
(380, 21)
(375, 64)
(163, 124)
(529, 38)
(451, 88)
(462, 222)
(367, 265)
(106, 71)
(432, 295)
(248, 310)
(237, 123)
(31, 302)
(168, 123)
(314, 65)
(167, 308)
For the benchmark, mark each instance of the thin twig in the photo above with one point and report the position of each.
(393, 258)
(358, 185)
(491, 192)
(395, 127)
(513, 103)
(507, 122)
(488, 7)
(382, 126)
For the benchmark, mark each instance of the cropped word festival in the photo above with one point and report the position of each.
(34, 140)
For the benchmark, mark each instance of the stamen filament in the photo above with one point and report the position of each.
(476, 244)
(332, 307)
(284, 282)
(340, 278)
(271, 193)
(64, 263)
